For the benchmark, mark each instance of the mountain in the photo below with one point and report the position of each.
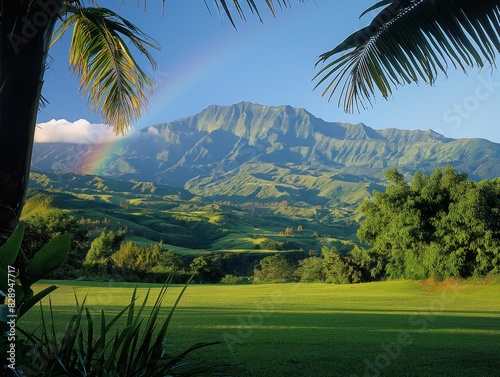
(249, 152)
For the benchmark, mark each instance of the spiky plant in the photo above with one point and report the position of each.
(96, 347)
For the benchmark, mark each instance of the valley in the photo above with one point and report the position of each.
(191, 224)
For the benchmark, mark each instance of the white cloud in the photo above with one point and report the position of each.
(78, 132)
(153, 131)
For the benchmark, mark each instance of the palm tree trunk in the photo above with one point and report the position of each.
(25, 32)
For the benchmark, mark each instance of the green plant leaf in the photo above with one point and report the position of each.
(49, 258)
(10, 249)
(114, 82)
(4, 287)
(375, 6)
(30, 302)
(130, 351)
(90, 340)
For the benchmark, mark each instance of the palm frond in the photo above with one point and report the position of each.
(234, 8)
(115, 84)
(409, 41)
(223, 8)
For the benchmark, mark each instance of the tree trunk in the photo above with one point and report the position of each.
(25, 33)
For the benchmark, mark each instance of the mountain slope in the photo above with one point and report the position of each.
(249, 151)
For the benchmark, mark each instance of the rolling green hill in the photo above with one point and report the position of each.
(188, 223)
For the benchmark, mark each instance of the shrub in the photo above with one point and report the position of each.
(136, 258)
(331, 268)
(269, 244)
(97, 259)
(233, 279)
(338, 269)
(40, 228)
(207, 269)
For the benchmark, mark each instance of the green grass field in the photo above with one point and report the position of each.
(376, 329)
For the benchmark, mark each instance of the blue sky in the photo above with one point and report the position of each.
(204, 61)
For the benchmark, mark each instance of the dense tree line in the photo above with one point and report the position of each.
(270, 244)
(442, 225)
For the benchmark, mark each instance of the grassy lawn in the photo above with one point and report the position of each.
(376, 329)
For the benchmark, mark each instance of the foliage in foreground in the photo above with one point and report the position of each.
(94, 347)
(410, 41)
(18, 273)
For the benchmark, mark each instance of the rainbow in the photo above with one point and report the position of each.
(93, 160)
(168, 88)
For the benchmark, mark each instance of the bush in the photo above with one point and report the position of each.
(97, 260)
(331, 268)
(40, 228)
(269, 244)
(233, 279)
(207, 269)
(137, 259)
(338, 269)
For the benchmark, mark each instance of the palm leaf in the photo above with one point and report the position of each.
(223, 8)
(234, 8)
(115, 84)
(110, 76)
(410, 41)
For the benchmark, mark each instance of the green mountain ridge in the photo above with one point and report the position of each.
(261, 153)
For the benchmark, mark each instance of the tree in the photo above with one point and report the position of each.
(310, 270)
(98, 258)
(442, 225)
(409, 41)
(171, 262)
(136, 258)
(114, 83)
(40, 228)
(338, 269)
(207, 269)
(110, 76)
(330, 268)
(274, 269)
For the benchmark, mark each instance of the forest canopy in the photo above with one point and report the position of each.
(440, 226)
